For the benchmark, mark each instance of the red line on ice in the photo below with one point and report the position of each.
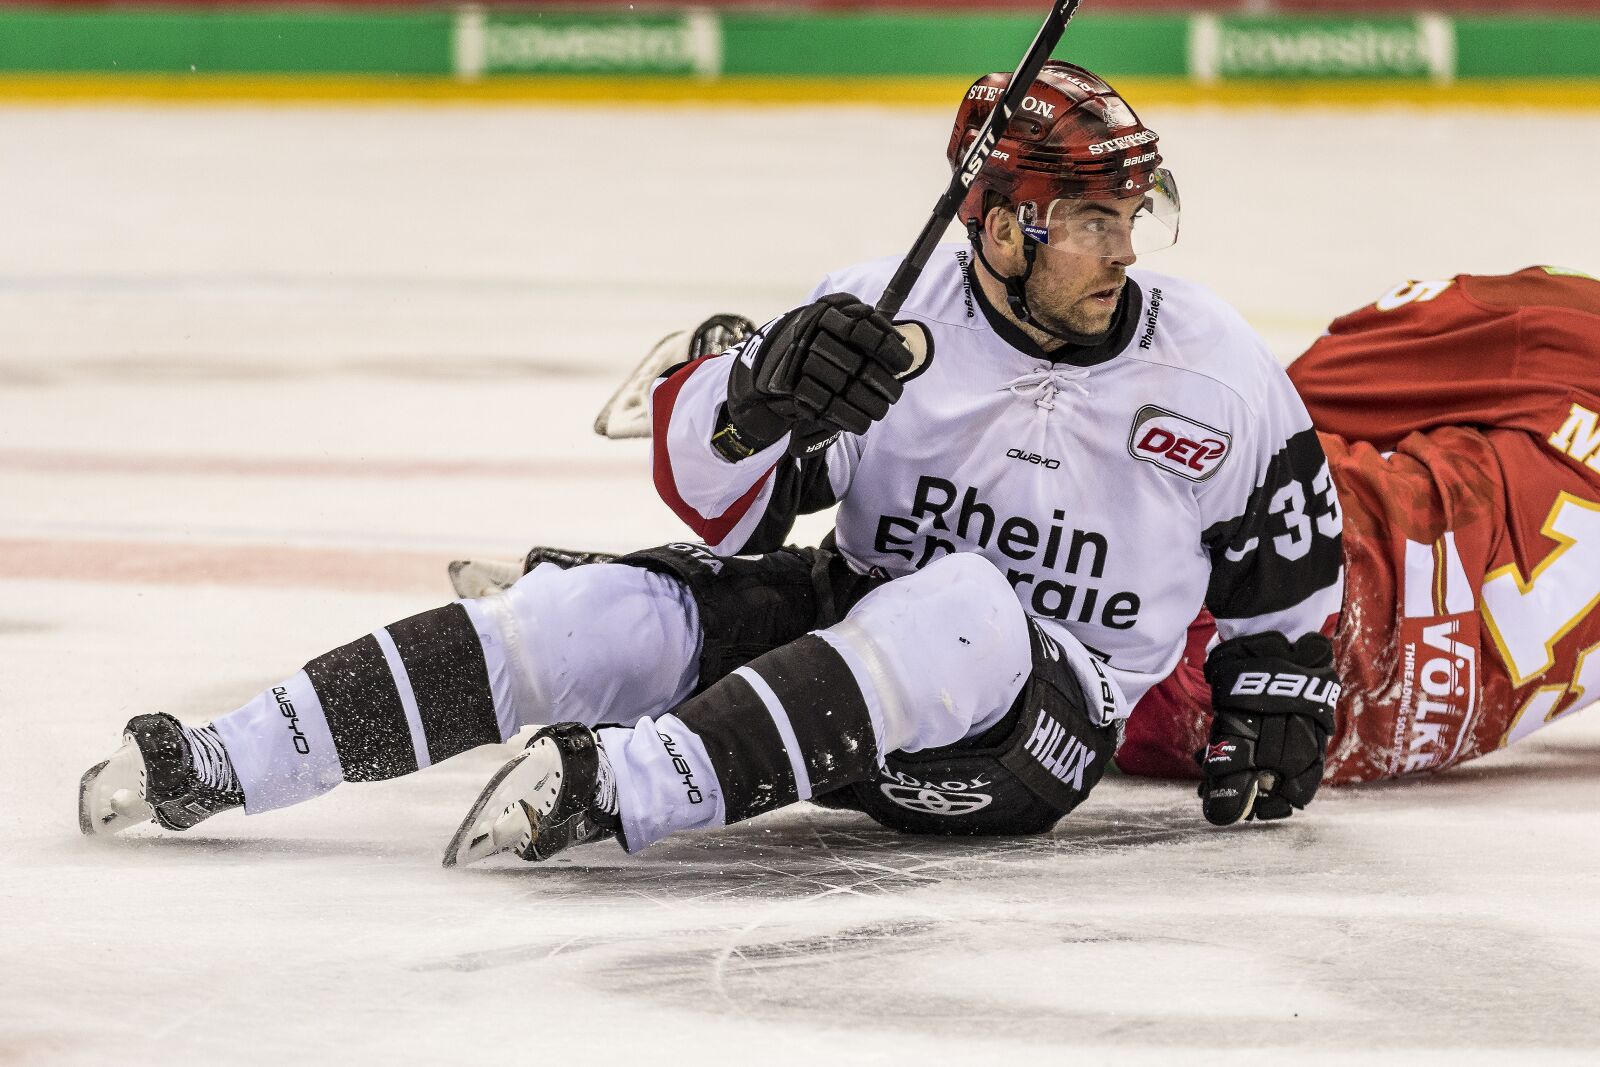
(313, 466)
(258, 566)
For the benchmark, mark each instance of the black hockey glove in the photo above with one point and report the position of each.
(821, 369)
(1274, 705)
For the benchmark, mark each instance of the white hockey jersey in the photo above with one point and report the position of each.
(1118, 488)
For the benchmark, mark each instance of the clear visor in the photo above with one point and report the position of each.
(1108, 228)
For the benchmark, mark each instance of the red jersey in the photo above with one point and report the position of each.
(1461, 419)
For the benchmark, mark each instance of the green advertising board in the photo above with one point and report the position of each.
(785, 55)
(538, 42)
(1229, 47)
(225, 41)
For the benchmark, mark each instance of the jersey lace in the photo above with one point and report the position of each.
(1043, 386)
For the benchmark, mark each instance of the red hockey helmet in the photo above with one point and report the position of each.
(1073, 139)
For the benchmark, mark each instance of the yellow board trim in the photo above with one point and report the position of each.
(940, 92)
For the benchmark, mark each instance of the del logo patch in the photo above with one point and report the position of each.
(1187, 448)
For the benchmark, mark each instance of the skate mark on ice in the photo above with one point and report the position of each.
(1137, 980)
(512, 955)
(808, 854)
(150, 841)
(877, 940)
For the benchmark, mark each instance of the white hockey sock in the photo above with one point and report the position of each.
(663, 779)
(280, 746)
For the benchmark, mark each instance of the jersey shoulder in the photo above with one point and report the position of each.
(943, 292)
(1430, 308)
(1533, 288)
(1189, 328)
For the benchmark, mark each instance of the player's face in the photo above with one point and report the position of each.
(1079, 272)
(1083, 249)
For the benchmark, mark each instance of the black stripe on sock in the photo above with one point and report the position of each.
(826, 711)
(449, 679)
(362, 706)
(744, 747)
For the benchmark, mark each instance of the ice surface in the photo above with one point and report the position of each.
(263, 371)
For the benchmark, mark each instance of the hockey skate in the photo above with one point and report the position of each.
(473, 578)
(627, 413)
(554, 794)
(157, 774)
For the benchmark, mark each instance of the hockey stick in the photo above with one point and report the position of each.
(1033, 60)
(624, 414)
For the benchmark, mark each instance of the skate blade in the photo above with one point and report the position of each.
(627, 413)
(508, 812)
(111, 795)
(473, 579)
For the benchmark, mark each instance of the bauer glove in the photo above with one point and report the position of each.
(1274, 705)
(822, 369)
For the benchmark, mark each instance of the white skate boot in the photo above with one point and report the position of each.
(627, 413)
(474, 578)
(554, 794)
(166, 771)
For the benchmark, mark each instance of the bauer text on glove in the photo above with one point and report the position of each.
(1274, 704)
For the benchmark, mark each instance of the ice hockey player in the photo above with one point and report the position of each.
(1041, 477)
(1461, 418)
(1467, 460)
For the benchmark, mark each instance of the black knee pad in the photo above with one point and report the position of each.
(1019, 777)
(750, 605)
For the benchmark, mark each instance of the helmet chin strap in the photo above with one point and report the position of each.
(1017, 288)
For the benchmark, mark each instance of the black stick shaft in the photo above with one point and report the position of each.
(1033, 60)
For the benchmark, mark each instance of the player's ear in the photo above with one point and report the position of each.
(1003, 236)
